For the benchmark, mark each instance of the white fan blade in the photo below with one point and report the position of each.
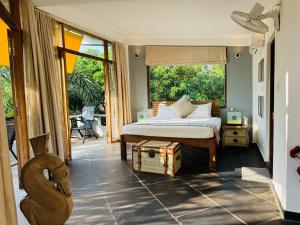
(256, 11)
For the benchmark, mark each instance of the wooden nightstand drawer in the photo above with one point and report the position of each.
(236, 132)
(236, 141)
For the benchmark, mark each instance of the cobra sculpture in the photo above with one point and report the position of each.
(48, 202)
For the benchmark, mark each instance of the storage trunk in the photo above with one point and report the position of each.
(161, 157)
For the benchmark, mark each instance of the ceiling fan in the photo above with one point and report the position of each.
(253, 20)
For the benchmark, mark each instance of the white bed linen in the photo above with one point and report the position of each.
(181, 131)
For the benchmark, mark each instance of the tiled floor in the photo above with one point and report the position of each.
(106, 191)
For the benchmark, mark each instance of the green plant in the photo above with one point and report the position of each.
(6, 87)
(199, 82)
(86, 85)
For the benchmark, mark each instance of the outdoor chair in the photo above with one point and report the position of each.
(84, 122)
(11, 135)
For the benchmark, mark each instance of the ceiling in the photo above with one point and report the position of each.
(170, 22)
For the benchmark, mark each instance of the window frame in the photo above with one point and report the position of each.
(148, 88)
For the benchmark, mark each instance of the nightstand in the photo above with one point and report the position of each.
(235, 136)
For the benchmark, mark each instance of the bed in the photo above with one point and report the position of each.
(189, 132)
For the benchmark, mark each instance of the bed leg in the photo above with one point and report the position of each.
(212, 155)
(123, 148)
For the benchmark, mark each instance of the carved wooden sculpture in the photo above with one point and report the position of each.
(47, 203)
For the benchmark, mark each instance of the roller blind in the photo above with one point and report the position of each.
(174, 55)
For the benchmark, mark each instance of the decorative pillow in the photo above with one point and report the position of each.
(183, 107)
(166, 113)
(202, 111)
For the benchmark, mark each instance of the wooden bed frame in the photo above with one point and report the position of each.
(210, 143)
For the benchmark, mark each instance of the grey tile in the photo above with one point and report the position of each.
(254, 187)
(246, 206)
(128, 197)
(147, 213)
(120, 185)
(279, 221)
(84, 185)
(203, 181)
(149, 178)
(269, 196)
(179, 198)
(212, 216)
(90, 210)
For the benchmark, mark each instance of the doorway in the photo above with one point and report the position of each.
(272, 99)
(89, 85)
(86, 98)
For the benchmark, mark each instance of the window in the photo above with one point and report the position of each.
(261, 67)
(261, 106)
(198, 82)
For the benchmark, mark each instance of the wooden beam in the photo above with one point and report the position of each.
(7, 17)
(109, 137)
(70, 51)
(19, 85)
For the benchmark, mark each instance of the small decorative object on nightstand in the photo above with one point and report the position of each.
(235, 136)
(143, 114)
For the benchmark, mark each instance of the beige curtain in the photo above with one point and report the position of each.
(172, 55)
(44, 80)
(7, 200)
(122, 86)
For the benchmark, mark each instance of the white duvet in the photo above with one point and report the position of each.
(183, 127)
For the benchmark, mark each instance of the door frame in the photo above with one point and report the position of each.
(271, 57)
(13, 20)
(62, 51)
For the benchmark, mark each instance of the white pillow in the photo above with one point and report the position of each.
(201, 111)
(166, 113)
(183, 107)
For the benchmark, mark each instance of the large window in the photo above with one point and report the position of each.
(198, 82)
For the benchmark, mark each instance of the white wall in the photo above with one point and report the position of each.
(287, 109)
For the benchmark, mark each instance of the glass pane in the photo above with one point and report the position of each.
(83, 43)
(110, 51)
(85, 84)
(6, 3)
(198, 82)
(5, 73)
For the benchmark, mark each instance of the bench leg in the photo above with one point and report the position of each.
(123, 148)
(212, 155)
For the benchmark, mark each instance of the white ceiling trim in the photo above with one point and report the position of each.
(190, 41)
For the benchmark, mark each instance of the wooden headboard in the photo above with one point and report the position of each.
(215, 110)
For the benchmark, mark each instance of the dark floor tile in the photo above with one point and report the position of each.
(179, 198)
(232, 158)
(203, 181)
(90, 210)
(279, 221)
(79, 167)
(246, 206)
(230, 175)
(147, 213)
(111, 172)
(149, 178)
(84, 185)
(212, 216)
(254, 187)
(119, 185)
(269, 196)
(128, 197)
